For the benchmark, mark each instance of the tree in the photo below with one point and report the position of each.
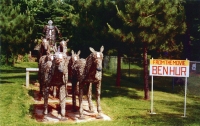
(61, 13)
(155, 24)
(192, 38)
(16, 28)
(91, 28)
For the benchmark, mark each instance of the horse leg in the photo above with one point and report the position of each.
(42, 90)
(54, 91)
(74, 83)
(46, 96)
(80, 101)
(98, 93)
(62, 97)
(89, 97)
(40, 82)
(39, 78)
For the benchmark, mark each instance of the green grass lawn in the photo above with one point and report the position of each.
(125, 105)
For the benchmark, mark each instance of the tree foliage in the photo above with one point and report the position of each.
(16, 28)
(61, 13)
(156, 24)
(192, 38)
(91, 29)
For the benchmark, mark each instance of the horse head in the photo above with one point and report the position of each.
(60, 61)
(44, 47)
(97, 58)
(63, 46)
(75, 56)
(45, 44)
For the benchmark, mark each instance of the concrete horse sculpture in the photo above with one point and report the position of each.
(55, 73)
(88, 71)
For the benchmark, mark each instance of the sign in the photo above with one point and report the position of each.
(173, 68)
(194, 66)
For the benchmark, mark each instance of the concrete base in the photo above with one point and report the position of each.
(53, 108)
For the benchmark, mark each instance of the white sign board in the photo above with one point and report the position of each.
(173, 68)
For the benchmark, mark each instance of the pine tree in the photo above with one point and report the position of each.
(91, 28)
(192, 37)
(156, 24)
(15, 29)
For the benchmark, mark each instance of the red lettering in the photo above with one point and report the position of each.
(159, 70)
(171, 70)
(183, 70)
(178, 71)
(154, 69)
(165, 70)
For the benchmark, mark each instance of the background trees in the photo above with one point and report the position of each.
(91, 28)
(155, 24)
(62, 14)
(16, 28)
(192, 38)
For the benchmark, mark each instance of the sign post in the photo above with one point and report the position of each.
(152, 112)
(170, 68)
(185, 97)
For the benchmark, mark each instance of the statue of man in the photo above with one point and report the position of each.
(50, 34)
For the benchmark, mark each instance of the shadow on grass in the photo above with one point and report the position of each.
(159, 119)
(171, 117)
(109, 89)
(18, 70)
(164, 84)
(12, 79)
(5, 82)
(167, 118)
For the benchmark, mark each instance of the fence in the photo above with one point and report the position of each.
(132, 67)
(194, 78)
(127, 65)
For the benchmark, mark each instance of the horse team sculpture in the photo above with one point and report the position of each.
(56, 68)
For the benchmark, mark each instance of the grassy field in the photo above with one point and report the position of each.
(125, 105)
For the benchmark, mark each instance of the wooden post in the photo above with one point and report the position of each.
(27, 74)
(27, 79)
